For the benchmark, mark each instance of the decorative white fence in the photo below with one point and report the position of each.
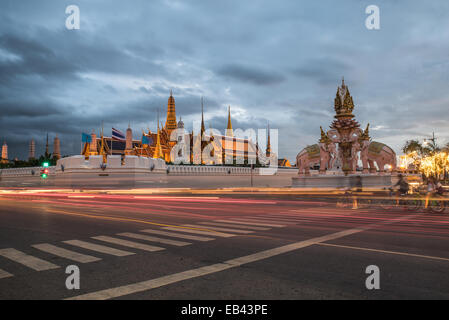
(208, 170)
(17, 172)
(222, 170)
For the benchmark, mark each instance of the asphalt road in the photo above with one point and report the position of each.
(216, 247)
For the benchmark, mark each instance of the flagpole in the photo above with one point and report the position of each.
(112, 140)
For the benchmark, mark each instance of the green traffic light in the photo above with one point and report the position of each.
(44, 176)
(45, 164)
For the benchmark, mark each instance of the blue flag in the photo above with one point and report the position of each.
(146, 140)
(86, 137)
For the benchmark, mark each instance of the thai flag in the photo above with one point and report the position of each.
(118, 135)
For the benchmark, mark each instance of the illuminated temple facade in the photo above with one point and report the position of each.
(172, 143)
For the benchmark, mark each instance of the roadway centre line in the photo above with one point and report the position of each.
(166, 226)
(64, 253)
(177, 235)
(4, 274)
(384, 251)
(27, 260)
(115, 218)
(127, 243)
(98, 248)
(112, 218)
(202, 271)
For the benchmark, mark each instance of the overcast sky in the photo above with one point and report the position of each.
(277, 61)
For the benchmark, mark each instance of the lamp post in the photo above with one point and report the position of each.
(252, 168)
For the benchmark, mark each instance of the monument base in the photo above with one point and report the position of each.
(342, 181)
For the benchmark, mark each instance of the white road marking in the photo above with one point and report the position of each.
(203, 232)
(220, 224)
(198, 272)
(98, 248)
(154, 239)
(281, 217)
(4, 274)
(127, 243)
(295, 219)
(251, 223)
(177, 235)
(269, 220)
(384, 251)
(27, 260)
(218, 228)
(64, 253)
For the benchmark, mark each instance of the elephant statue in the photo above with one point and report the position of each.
(314, 154)
(355, 148)
(326, 152)
(381, 154)
(332, 148)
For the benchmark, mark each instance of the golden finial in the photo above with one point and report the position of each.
(365, 134)
(324, 138)
(229, 131)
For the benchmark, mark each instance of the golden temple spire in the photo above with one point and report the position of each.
(170, 123)
(203, 129)
(158, 149)
(268, 151)
(229, 132)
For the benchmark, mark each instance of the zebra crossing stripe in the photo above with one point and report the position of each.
(203, 232)
(98, 248)
(240, 221)
(177, 235)
(64, 253)
(4, 274)
(281, 218)
(270, 220)
(154, 239)
(218, 228)
(27, 260)
(127, 243)
(295, 217)
(220, 224)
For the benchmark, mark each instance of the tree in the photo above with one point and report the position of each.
(412, 146)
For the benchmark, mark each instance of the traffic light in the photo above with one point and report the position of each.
(44, 172)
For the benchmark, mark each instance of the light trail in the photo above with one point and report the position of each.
(116, 218)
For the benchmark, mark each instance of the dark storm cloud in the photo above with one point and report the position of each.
(24, 109)
(276, 61)
(323, 70)
(31, 57)
(250, 74)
